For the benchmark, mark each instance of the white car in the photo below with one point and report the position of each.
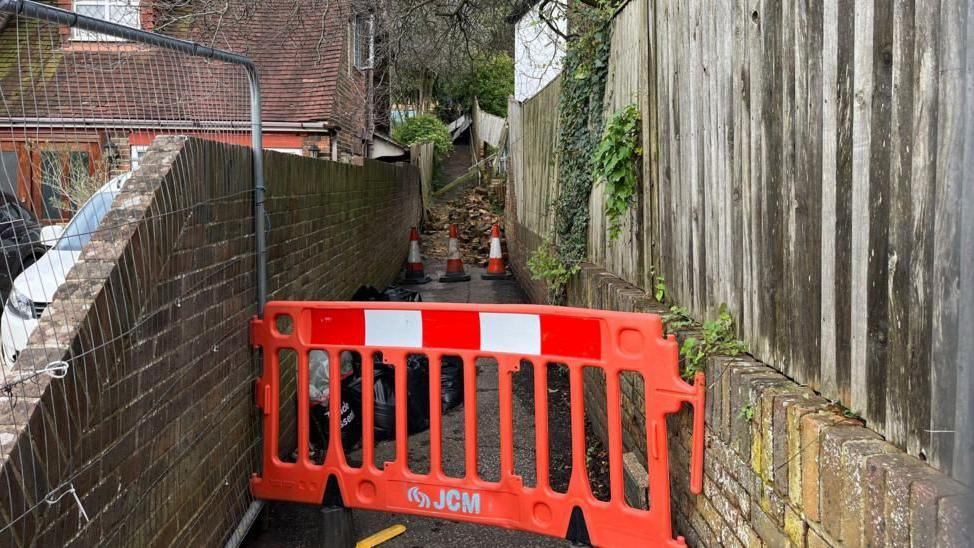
(34, 288)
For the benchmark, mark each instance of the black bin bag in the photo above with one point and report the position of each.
(351, 421)
(451, 382)
(395, 294)
(451, 378)
(384, 397)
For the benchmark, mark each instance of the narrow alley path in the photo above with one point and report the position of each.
(426, 532)
(473, 209)
(293, 525)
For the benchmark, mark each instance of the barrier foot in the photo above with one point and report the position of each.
(577, 529)
(336, 527)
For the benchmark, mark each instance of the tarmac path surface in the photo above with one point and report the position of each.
(294, 525)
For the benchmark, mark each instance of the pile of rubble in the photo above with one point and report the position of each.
(473, 213)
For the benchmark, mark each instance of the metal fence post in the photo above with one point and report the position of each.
(259, 188)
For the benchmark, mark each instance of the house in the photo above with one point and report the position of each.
(322, 90)
(540, 27)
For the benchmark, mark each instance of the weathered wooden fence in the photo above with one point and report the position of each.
(809, 162)
(804, 166)
(627, 82)
(533, 143)
(488, 128)
(423, 157)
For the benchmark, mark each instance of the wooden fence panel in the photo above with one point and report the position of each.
(533, 143)
(809, 166)
(488, 127)
(515, 136)
(627, 80)
(963, 463)
(806, 165)
(423, 157)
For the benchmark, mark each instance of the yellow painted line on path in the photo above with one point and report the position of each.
(381, 536)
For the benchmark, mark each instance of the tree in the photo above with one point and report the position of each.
(490, 79)
(430, 42)
(423, 47)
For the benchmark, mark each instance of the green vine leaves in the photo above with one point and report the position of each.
(616, 162)
(716, 338)
(580, 106)
(580, 127)
(545, 265)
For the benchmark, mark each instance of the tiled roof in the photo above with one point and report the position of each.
(298, 51)
(298, 47)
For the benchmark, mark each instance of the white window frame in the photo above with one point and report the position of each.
(294, 151)
(363, 19)
(80, 35)
(136, 152)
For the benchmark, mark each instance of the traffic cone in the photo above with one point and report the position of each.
(454, 265)
(496, 267)
(414, 264)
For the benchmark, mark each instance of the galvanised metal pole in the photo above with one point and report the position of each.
(35, 10)
(259, 210)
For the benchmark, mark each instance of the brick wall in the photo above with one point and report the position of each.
(783, 466)
(154, 425)
(521, 243)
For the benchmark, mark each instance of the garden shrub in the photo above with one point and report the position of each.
(422, 129)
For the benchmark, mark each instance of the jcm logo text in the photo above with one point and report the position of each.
(451, 500)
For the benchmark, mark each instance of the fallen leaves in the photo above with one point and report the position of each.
(474, 213)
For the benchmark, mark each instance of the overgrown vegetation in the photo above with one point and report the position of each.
(546, 266)
(425, 128)
(746, 413)
(586, 69)
(717, 339)
(490, 79)
(677, 319)
(617, 160)
(659, 289)
(73, 188)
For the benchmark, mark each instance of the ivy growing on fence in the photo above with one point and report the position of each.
(582, 93)
(586, 69)
(617, 166)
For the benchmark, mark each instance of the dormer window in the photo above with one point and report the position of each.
(123, 12)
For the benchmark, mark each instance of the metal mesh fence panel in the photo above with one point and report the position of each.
(79, 113)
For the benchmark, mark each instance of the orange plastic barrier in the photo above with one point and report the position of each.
(612, 341)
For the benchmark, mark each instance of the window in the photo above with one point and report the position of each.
(9, 172)
(63, 176)
(137, 152)
(295, 151)
(363, 41)
(124, 12)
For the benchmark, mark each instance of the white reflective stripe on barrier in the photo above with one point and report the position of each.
(514, 333)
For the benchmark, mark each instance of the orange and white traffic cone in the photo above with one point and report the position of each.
(415, 274)
(454, 265)
(496, 267)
